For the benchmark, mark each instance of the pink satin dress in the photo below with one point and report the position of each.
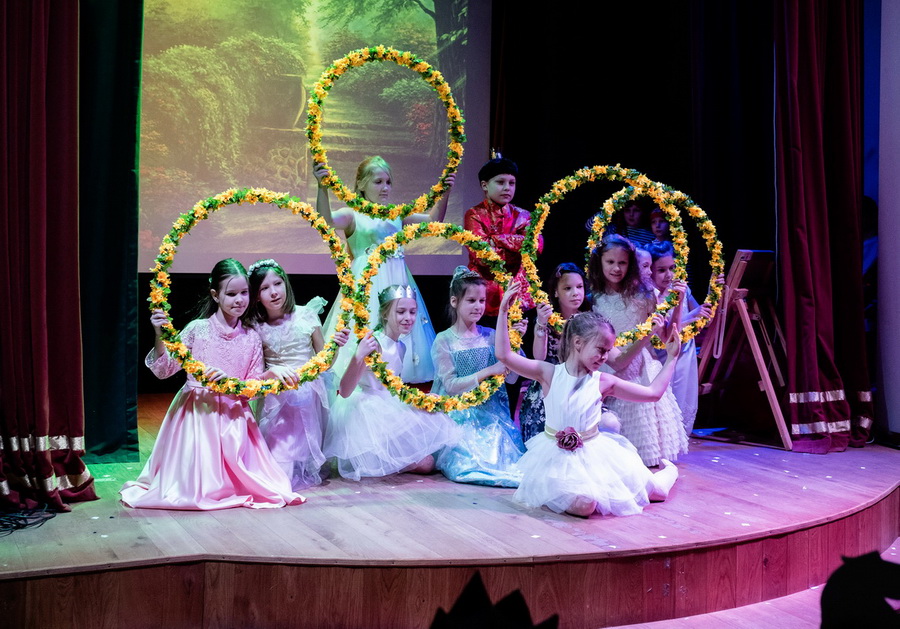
(209, 453)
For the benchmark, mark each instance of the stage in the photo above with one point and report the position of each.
(744, 524)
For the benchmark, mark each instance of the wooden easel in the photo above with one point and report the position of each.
(756, 324)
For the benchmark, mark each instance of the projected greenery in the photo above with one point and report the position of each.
(224, 94)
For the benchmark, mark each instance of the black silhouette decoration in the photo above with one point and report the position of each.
(474, 610)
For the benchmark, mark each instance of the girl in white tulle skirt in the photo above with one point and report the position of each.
(371, 432)
(579, 464)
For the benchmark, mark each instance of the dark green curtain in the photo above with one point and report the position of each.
(109, 125)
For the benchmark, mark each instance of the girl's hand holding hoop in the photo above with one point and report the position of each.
(286, 375)
(512, 291)
(367, 345)
(544, 311)
(214, 374)
(673, 344)
(657, 323)
(679, 287)
(158, 318)
(341, 337)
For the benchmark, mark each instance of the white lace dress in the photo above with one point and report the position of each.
(654, 428)
(293, 422)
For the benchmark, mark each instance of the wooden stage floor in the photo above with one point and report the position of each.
(744, 524)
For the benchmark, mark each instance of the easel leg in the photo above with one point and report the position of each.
(741, 306)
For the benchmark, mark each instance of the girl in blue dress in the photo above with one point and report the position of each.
(463, 356)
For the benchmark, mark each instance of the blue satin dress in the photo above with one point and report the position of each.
(491, 445)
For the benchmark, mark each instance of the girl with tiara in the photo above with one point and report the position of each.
(567, 294)
(578, 464)
(373, 183)
(463, 356)
(625, 300)
(293, 421)
(371, 432)
(209, 453)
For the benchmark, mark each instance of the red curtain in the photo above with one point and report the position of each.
(818, 67)
(41, 406)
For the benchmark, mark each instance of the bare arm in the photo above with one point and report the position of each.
(633, 392)
(619, 359)
(342, 219)
(438, 210)
(534, 369)
(539, 345)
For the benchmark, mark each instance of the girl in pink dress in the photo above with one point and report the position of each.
(209, 453)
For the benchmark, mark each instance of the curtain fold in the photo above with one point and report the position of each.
(41, 412)
(818, 72)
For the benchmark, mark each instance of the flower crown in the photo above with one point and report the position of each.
(261, 263)
(396, 292)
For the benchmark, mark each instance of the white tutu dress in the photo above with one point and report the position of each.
(372, 433)
(654, 428)
(606, 468)
(293, 422)
(368, 233)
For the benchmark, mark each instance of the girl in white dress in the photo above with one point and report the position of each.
(293, 421)
(371, 432)
(578, 464)
(625, 301)
(364, 234)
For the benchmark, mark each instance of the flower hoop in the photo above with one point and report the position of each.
(314, 132)
(639, 184)
(412, 395)
(671, 202)
(161, 282)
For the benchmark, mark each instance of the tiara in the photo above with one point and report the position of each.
(464, 273)
(396, 292)
(261, 263)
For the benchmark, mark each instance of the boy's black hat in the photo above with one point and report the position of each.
(498, 166)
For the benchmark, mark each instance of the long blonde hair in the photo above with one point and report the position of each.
(365, 172)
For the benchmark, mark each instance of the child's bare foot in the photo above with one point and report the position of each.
(425, 466)
(582, 507)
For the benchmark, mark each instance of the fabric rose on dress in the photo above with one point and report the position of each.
(568, 439)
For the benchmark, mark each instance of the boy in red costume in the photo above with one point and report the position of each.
(501, 224)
